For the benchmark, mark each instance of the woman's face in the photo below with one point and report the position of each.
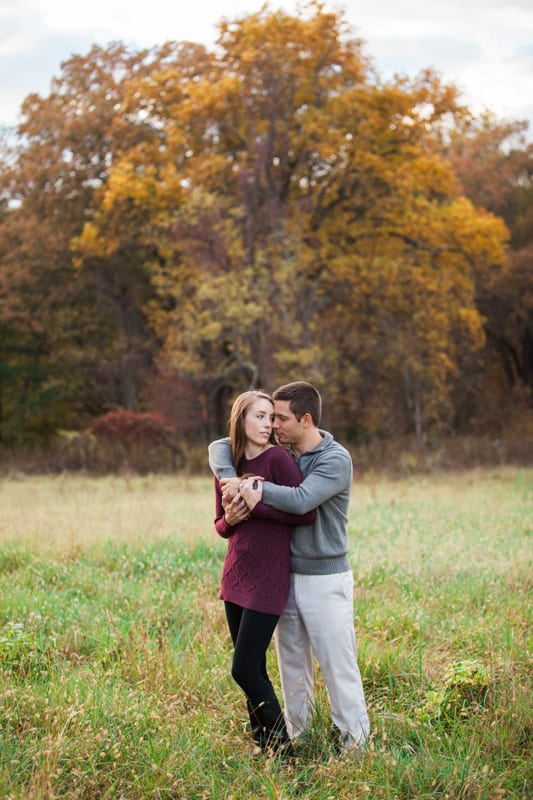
(258, 422)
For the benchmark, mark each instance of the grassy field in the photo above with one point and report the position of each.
(114, 654)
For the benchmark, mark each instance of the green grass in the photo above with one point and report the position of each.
(114, 653)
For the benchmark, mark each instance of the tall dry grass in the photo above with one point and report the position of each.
(114, 654)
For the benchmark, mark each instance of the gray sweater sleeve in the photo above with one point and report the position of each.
(220, 459)
(331, 474)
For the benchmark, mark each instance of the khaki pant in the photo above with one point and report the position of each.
(318, 620)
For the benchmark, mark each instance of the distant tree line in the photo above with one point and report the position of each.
(180, 224)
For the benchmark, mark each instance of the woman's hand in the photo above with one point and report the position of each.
(229, 487)
(236, 510)
(252, 491)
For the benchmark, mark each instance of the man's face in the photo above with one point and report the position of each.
(286, 427)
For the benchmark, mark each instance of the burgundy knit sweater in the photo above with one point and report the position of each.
(256, 568)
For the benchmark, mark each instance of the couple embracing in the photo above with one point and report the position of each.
(282, 493)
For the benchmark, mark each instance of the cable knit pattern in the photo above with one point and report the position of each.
(256, 568)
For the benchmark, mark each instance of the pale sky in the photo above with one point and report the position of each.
(484, 47)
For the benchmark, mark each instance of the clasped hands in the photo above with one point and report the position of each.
(239, 497)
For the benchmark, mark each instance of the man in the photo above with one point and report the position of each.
(318, 618)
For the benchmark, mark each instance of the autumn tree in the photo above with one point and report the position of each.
(494, 163)
(315, 228)
(243, 217)
(78, 340)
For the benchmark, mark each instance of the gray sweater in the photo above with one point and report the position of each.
(322, 547)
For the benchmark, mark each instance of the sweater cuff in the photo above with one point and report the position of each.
(222, 527)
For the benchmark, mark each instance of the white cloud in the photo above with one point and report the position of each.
(484, 47)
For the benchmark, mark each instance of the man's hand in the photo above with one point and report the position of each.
(236, 511)
(252, 491)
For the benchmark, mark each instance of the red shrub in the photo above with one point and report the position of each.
(131, 428)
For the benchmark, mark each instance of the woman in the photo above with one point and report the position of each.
(255, 576)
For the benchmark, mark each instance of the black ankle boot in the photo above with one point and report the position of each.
(273, 728)
(258, 734)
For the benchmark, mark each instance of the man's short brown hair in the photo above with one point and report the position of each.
(303, 398)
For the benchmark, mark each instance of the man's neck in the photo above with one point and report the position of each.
(309, 441)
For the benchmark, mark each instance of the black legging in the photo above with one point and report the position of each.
(251, 632)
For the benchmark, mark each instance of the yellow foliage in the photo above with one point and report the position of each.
(299, 212)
